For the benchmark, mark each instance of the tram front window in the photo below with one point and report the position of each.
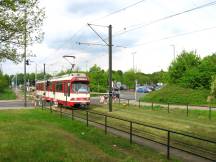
(80, 87)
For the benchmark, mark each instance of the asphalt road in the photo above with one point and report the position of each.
(14, 103)
(131, 95)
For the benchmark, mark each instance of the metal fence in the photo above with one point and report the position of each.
(167, 106)
(169, 139)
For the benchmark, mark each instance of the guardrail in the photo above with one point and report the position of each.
(197, 146)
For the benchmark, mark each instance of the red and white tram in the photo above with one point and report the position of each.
(71, 90)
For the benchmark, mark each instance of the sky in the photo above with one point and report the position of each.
(152, 46)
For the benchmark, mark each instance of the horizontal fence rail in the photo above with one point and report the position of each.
(194, 145)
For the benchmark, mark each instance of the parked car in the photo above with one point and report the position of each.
(143, 89)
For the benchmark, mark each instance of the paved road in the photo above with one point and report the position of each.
(131, 95)
(14, 103)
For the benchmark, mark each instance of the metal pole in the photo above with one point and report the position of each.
(173, 50)
(87, 118)
(168, 145)
(110, 68)
(35, 75)
(61, 111)
(187, 109)
(105, 124)
(168, 108)
(72, 114)
(130, 132)
(16, 82)
(25, 48)
(135, 94)
(44, 78)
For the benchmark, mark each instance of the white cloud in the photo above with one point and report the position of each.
(62, 22)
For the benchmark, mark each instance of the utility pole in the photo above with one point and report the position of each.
(110, 68)
(16, 82)
(25, 47)
(44, 78)
(35, 75)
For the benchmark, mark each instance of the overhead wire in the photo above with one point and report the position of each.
(112, 13)
(119, 10)
(138, 26)
(176, 35)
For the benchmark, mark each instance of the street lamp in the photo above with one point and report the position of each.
(173, 50)
(133, 53)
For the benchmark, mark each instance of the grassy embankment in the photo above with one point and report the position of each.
(196, 124)
(33, 135)
(177, 95)
(7, 94)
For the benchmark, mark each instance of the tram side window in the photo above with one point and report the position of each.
(59, 87)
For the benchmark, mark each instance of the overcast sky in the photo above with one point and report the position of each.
(152, 44)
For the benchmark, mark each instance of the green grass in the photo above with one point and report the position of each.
(178, 95)
(33, 135)
(196, 124)
(7, 94)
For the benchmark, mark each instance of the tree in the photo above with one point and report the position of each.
(129, 78)
(17, 19)
(213, 87)
(182, 66)
(207, 69)
(98, 79)
(3, 82)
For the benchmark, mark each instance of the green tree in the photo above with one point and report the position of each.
(129, 78)
(207, 69)
(213, 87)
(98, 79)
(3, 82)
(17, 18)
(181, 69)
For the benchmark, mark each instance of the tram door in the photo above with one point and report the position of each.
(66, 90)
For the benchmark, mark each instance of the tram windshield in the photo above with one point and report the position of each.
(80, 87)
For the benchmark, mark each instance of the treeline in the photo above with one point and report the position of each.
(188, 70)
(99, 78)
(191, 71)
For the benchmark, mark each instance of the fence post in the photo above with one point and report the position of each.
(139, 103)
(50, 107)
(168, 108)
(168, 145)
(105, 124)
(72, 114)
(128, 102)
(209, 112)
(42, 103)
(187, 110)
(61, 111)
(87, 118)
(131, 129)
(152, 105)
(119, 100)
